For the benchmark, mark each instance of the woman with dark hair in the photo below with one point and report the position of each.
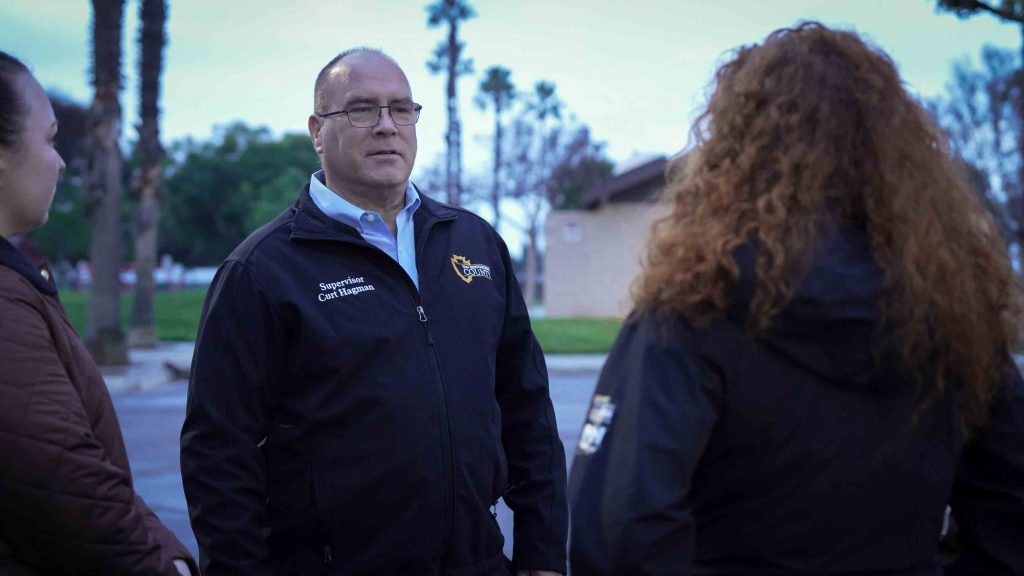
(67, 505)
(817, 361)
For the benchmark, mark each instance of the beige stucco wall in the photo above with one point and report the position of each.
(592, 257)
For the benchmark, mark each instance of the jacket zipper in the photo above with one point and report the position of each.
(421, 243)
(417, 299)
(447, 420)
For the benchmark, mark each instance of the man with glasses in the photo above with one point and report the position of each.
(366, 384)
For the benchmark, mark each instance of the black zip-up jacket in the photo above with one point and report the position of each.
(707, 451)
(340, 422)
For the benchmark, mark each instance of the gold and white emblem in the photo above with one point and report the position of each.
(467, 271)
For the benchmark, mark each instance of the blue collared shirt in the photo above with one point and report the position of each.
(371, 226)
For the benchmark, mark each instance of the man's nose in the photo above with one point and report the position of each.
(385, 124)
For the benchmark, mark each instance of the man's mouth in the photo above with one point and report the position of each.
(384, 153)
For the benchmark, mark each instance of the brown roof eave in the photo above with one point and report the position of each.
(624, 182)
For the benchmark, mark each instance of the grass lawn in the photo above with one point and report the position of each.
(576, 335)
(177, 318)
(177, 313)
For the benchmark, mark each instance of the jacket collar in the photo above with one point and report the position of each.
(311, 223)
(15, 260)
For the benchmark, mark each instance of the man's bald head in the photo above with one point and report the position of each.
(319, 97)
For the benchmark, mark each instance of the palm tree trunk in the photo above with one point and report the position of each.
(496, 186)
(104, 336)
(454, 152)
(147, 219)
(530, 291)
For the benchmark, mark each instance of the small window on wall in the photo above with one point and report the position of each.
(572, 232)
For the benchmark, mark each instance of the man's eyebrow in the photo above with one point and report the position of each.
(359, 100)
(367, 100)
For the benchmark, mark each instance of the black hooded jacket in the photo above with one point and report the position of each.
(708, 451)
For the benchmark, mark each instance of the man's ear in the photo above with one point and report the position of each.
(313, 124)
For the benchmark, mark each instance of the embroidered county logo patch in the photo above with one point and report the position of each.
(466, 270)
(600, 417)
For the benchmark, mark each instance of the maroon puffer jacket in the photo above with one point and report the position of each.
(67, 505)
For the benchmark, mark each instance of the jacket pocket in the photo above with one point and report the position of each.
(319, 498)
(296, 536)
(500, 482)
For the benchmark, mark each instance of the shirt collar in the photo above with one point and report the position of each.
(342, 210)
(15, 260)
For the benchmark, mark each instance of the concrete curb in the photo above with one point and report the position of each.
(575, 363)
(148, 368)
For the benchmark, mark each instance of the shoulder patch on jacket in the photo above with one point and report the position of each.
(598, 419)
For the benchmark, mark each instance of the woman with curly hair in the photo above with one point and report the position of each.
(817, 361)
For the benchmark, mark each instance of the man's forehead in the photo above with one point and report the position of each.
(339, 74)
(368, 70)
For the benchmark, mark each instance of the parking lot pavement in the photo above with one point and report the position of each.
(151, 419)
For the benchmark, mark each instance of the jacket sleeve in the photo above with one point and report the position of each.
(65, 505)
(649, 423)
(171, 548)
(988, 494)
(222, 467)
(536, 458)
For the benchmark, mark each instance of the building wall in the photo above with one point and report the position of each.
(592, 257)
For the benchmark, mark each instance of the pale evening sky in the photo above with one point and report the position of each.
(636, 72)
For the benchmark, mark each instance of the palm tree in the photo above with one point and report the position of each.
(497, 90)
(104, 186)
(448, 57)
(153, 14)
(543, 105)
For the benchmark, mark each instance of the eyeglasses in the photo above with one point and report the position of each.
(368, 115)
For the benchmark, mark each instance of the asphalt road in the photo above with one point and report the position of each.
(151, 422)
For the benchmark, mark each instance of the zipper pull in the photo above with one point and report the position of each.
(426, 327)
(327, 554)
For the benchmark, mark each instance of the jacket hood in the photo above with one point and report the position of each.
(832, 326)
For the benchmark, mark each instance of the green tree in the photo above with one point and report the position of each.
(104, 187)
(980, 119)
(147, 180)
(219, 191)
(551, 161)
(582, 166)
(498, 92)
(448, 58)
(273, 196)
(1011, 12)
(546, 109)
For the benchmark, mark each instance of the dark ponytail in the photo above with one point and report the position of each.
(12, 108)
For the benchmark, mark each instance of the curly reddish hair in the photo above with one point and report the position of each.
(814, 124)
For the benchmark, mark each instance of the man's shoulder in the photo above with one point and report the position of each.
(464, 217)
(265, 237)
